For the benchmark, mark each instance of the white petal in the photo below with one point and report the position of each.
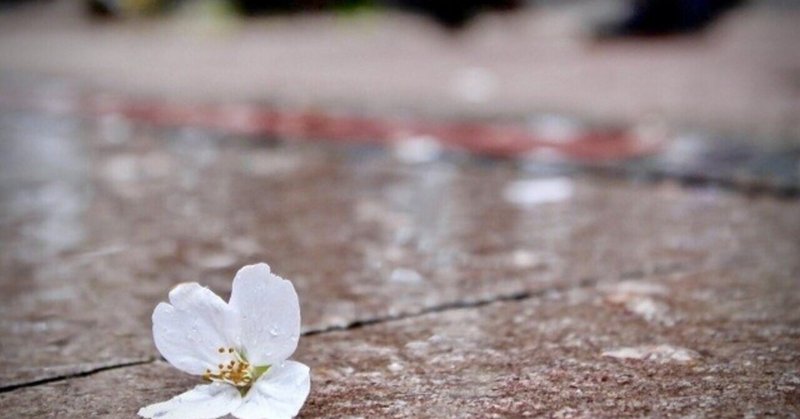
(190, 331)
(269, 314)
(280, 393)
(202, 402)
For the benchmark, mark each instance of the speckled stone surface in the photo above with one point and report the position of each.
(720, 343)
(101, 219)
(712, 343)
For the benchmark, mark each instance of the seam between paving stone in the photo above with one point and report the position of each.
(56, 378)
(589, 282)
(744, 187)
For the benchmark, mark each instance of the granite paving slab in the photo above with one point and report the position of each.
(101, 218)
(717, 342)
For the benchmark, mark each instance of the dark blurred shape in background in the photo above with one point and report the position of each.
(642, 18)
(448, 13)
(666, 17)
(457, 14)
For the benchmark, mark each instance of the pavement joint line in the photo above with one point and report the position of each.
(689, 181)
(588, 282)
(64, 377)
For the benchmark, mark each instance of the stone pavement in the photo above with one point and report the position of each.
(441, 285)
(468, 256)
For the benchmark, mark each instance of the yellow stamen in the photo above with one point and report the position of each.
(234, 370)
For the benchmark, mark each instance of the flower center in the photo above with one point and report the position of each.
(234, 370)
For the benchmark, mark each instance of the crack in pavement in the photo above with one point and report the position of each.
(588, 282)
(85, 373)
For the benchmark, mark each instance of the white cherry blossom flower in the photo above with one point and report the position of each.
(240, 348)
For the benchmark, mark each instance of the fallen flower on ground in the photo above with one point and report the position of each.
(241, 349)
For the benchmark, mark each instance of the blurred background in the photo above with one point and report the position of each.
(713, 64)
(407, 160)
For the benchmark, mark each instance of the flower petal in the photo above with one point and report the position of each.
(269, 314)
(202, 402)
(190, 331)
(280, 393)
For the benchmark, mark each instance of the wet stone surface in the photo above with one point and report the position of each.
(723, 161)
(731, 350)
(98, 220)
